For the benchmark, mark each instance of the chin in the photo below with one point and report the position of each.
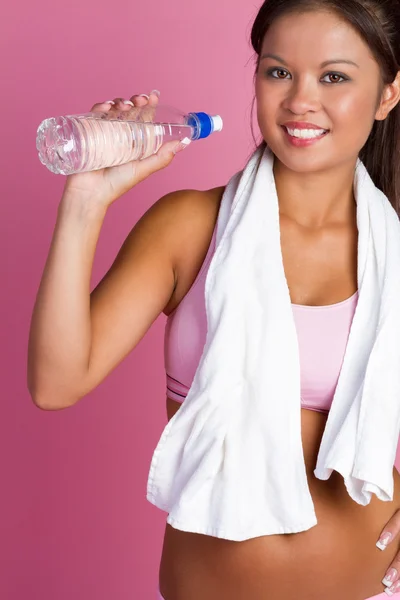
(298, 163)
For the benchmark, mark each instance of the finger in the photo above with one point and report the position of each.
(128, 110)
(148, 108)
(102, 106)
(390, 591)
(391, 579)
(390, 531)
(384, 540)
(110, 107)
(152, 98)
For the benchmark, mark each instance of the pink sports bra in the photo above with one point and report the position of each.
(322, 333)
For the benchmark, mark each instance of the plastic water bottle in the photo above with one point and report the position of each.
(95, 140)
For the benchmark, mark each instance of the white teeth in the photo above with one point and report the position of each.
(306, 133)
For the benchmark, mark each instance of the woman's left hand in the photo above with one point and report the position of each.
(389, 533)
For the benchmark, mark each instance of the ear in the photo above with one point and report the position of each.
(389, 99)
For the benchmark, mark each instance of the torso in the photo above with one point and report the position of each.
(335, 559)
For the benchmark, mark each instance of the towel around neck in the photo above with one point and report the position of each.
(230, 462)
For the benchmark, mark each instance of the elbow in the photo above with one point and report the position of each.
(46, 387)
(45, 404)
(49, 399)
(53, 391)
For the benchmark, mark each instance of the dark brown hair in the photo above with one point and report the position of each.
(378, 23)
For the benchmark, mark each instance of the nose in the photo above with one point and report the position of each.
(302, 97)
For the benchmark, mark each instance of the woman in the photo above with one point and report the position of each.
(76, 338)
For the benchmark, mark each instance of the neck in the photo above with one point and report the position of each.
(316, 199)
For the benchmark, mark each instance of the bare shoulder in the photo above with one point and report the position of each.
(195, 223)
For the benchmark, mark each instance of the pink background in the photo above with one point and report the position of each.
(74, 519)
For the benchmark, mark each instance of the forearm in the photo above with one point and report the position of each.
(60, 335)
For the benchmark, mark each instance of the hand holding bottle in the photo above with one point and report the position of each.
(108, 184)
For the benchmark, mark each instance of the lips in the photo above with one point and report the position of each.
(302, 125)
(303, 142)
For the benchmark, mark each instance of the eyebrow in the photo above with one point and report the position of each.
(324, 64)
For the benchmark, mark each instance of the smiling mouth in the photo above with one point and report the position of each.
(325, 132)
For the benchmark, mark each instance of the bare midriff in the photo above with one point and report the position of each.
(335, 560)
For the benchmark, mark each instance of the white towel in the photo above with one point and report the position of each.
(230, 462)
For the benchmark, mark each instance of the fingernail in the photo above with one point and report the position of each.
(128, 102)
(384, 540)
(390, 577)
(392, 590)
(156, 92)
(109, 102)
(182, 145)
(145, 95)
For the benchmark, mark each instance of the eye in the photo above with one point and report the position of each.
(343, 77)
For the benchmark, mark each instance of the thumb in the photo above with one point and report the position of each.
(170, 149)
(166, 153)
(181, 145)
(161, 159)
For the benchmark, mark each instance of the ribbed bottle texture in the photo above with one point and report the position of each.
(87, 142)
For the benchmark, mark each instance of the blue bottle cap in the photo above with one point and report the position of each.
(204, 124)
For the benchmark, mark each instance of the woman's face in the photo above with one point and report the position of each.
(341, 97)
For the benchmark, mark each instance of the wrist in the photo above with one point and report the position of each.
(81, 206)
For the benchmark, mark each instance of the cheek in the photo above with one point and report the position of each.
(268, 103)
(265, 117)
(346, 109)
(267, 95)
(355, 115)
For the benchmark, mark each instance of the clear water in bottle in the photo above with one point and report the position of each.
(95, 140)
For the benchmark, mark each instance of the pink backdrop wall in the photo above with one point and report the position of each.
(74, 520)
